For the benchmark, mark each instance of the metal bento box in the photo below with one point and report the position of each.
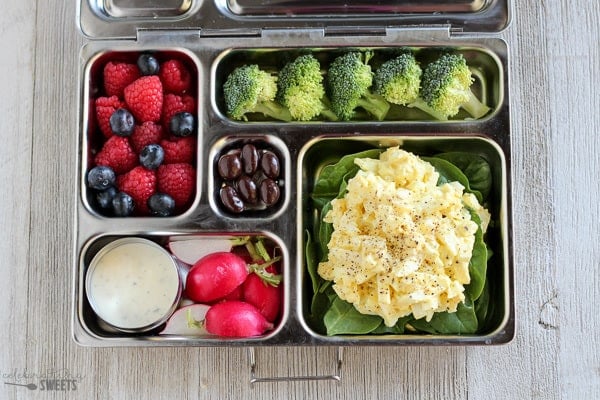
(277, 210)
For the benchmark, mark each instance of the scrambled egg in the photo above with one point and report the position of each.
(401, 244)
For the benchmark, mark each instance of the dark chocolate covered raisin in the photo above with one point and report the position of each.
(229, 166)
(269, 163)
(247, 189)
(231, 199)
(269, 192)
(249, 158)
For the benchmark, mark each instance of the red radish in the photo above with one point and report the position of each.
(236, 294)
(236, 319)
(215, 276)
(266, 297)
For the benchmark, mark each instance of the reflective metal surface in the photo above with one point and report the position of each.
(303, 145)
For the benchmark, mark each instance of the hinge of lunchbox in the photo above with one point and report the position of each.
(175, 37)
(387, 34)
(418, 33)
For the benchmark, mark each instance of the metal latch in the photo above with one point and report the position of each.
(336, 375)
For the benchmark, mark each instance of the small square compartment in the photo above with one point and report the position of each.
(93, 138)
(231, 144)
(499, 321)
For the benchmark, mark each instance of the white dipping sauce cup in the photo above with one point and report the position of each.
(133, 284)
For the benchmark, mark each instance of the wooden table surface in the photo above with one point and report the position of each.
(554, 72)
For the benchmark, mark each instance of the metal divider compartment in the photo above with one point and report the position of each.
(304, 147)
(283, 7)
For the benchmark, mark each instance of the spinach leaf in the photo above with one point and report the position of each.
(312, 262)
(482, 306)
(397, 329)
(328, 184)
(476, 169)
(449, 173)
(333, 316)
(343, 318)
(464, 320)
(478, 262)
(324, 232)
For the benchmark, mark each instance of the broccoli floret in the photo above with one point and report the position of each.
(248, 89)
(399, 79)
(300, 89)
(446, 87)
(349, 80)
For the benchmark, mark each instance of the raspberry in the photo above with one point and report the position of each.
(178, 181)
(179, 150)
(140, 184)
(117, 76)
(174, 104)
(117, 154)
(175, 77)
(105, 107)
(144, 97)
(145, 134)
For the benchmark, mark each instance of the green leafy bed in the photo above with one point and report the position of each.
(330, 315)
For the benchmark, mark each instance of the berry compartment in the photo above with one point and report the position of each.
(154, 107)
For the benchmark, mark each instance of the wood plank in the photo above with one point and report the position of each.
(528, 367)
(574, 54)
(17, 41)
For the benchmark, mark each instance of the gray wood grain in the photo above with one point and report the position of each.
(17, 41)
(554, 69)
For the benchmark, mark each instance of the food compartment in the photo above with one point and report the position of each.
(486, 319)
(140, 133)
(250, 176)
(127, 9)
(240, 277)
(341, 7)
(387, 80)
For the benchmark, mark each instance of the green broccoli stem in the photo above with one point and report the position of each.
(273, 110)
(420, 104)
(375, 104)
(328, 114)
(475, 107)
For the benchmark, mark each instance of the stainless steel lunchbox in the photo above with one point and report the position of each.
(215, 36)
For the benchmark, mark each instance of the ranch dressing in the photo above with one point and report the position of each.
(133, 284)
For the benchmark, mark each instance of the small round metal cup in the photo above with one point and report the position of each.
(94, 300)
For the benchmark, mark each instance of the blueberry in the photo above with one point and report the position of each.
(104, 198)
(122, 204)
(152, 156)
(182, 124)
(100, 177)
(148, 64)
(122, 122)
(161, 204)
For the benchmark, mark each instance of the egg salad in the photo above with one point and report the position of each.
(401, 244)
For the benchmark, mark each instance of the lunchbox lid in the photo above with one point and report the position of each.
(124, 19)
